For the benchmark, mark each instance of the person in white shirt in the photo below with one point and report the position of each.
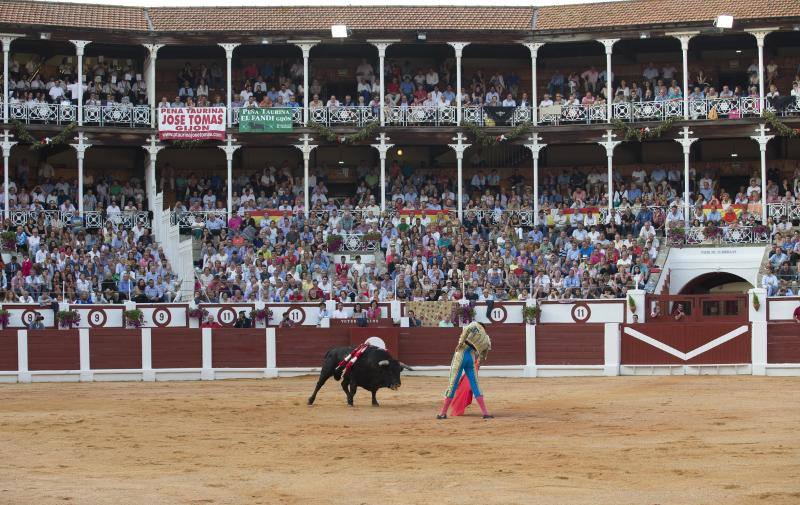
(56, 92)
(340, 312)
(509, 101)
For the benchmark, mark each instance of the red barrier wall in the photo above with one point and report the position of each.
(115, 348)
(428, 346)
(177, 348)
(569, 344)
(684, 337)
(306, 347)
(8, 350)
(53, 350)
(783, 342)
(239, 348)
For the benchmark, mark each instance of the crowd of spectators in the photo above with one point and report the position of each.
(57, 262)
(107, 81)
(37, 188)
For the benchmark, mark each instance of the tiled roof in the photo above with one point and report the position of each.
(655, 12)
(74, 15)
(627, 13)
(305, 19)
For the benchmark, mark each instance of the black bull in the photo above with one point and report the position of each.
(374, 369)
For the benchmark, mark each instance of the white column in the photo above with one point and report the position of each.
(23, 374)
(148, 375)
(382, 45)
(459, 147)
(79, 45)
(611, 349)
(685, 37)
(6, 38)
(6, 145)
(459, 48)
(763, 139)
(383, 148)
(609, 143)
(305, 46)
(151, 185)
(535, 148)
(609, 45)
(228, 47)
(686, 142)
(306, 149)
(207, 370)
(151, 80)
(533, 47)
(229, 147)
(760, 34)
(80, 150)
(758, 324)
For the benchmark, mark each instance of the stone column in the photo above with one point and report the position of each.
(609, 45)
(533, 47)
(80, 149)
(535, 148)
(686, 142)
(151, 81)
(229, 148)
(763, 139)
(151, 185)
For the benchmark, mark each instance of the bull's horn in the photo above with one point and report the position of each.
(403, 366)
(384, 362)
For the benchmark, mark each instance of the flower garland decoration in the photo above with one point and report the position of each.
(531, 314)
(8, 241)
(779, 127)
(365, 133)
(261, 314)
(641, 134)
(488, 140)
(23, 136)
(462, 314)
(133, 318)
(67, 318)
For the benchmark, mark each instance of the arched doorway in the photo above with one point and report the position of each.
(716, 282)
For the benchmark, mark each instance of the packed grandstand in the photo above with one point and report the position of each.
(403, 162)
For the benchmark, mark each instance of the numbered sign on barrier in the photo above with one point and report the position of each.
(297, 314)
(581, 313)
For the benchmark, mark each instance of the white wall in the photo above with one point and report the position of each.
(684, 264)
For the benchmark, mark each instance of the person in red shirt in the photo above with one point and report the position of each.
(210, 323)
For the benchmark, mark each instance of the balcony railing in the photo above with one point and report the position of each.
(46, 113)
(727, 235)
(188, 219)
(791, 211)
(90, 219)
(133, 116)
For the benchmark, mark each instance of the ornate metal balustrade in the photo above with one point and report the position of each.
(117, 115)
(90, 219)
(522, 217)
(354, 242)
(421, 115)
(343, 116)
(728, 235)
(187, 219)
(558, 114)
(47, 113)
(791, 211)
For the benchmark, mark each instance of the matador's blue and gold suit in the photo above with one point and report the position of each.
(473, 345)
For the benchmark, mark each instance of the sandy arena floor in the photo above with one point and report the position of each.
(674, 440)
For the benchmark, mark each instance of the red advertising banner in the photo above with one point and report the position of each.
(191, 123)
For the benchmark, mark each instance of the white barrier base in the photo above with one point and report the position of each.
(783, 369)
(55, 376)
(569, 370)
(740, 369)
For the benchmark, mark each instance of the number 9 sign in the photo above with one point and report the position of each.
(161, 317)
(97, 318)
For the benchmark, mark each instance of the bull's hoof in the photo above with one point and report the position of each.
(376, 404)
(311, 401)
(441, 416)
(488, 416)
